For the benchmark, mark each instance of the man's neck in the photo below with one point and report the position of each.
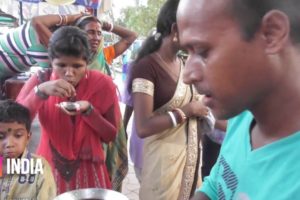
(276, 117)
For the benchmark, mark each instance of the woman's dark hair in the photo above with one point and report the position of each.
(249, 14)
(11, 111)
(69, 41)
(84, 20)
(165, 20)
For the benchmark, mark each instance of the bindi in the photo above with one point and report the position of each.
(9, 130)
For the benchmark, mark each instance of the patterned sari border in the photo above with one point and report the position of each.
(143, 86)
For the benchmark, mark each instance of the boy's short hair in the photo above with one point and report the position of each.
(11, 111)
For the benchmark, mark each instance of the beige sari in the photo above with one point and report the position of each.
(170, 157)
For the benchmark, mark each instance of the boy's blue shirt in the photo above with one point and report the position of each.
(269, 172)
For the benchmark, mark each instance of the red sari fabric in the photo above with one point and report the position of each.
(75, 142)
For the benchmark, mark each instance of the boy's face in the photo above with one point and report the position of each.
(231, 73)
(13, 139)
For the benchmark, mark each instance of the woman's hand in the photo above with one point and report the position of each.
(60, 88)
(106, 26)
(83, 106)
(195, 109)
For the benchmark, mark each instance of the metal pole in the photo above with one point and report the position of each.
(21, 12)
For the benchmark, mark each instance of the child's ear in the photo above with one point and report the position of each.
(28, 137)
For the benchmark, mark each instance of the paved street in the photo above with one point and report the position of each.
(131, 185)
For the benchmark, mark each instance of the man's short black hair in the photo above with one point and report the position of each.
(11, 111)
(249, 14)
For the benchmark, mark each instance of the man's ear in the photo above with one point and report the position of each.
(275, 29)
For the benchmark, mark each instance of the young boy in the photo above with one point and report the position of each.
(31, 177)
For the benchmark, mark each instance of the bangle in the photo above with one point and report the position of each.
(60, 20)
(64, 21)
(88, 111)
(181, 114)
(111, 27)
(39, 93)
(66, 17)
(172, 116)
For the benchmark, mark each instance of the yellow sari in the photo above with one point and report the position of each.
(170, 157)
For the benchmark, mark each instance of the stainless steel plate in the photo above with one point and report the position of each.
(91, 194)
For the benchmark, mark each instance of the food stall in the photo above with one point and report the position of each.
(26, 10)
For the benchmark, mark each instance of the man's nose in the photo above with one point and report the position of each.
(193, 71)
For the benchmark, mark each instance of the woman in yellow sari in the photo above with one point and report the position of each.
(167, 113)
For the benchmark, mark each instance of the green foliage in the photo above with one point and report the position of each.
(141, 19)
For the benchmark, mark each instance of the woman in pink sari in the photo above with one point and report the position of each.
(70, 140)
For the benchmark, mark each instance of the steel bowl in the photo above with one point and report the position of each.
(91, 194)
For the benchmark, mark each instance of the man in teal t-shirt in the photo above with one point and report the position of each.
(245, 55)
(264, 173)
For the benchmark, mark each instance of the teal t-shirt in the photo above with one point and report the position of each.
(271, 172)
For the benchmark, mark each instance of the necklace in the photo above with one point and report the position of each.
(174, 75)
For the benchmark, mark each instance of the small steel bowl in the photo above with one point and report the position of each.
(91, 194)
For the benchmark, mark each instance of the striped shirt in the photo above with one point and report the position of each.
(19, 50)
